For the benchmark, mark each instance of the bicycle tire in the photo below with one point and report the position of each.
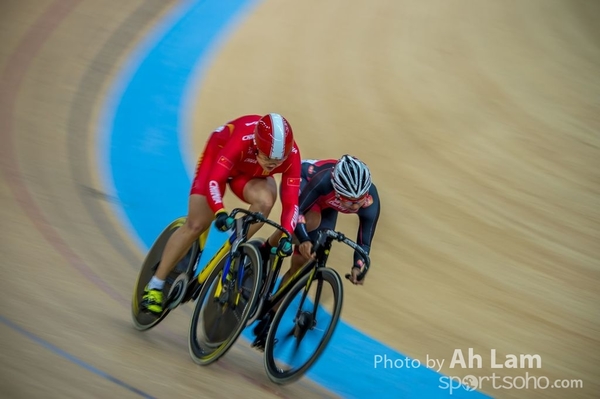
(144, 321)
(206, 353)
(281, 377)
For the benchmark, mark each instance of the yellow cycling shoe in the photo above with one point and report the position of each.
(152, 301)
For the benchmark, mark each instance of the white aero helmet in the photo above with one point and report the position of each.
(351, 177)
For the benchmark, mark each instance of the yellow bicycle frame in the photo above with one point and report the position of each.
(210, 266)
(214, 261)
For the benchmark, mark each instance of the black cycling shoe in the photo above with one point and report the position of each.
(259, 343)
(260, 331)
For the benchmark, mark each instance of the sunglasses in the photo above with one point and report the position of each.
(353, 201)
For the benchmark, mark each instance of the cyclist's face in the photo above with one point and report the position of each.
(267, 163)
(353, 204)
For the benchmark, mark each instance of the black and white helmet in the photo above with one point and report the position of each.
(351, 177)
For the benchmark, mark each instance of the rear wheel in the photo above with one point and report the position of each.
(175, 284)
(303, 326)
(221, 310)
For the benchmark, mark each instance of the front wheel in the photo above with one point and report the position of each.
(222, 308)
(303, 326)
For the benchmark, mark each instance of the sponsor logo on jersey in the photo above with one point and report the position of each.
(293, 181)
(215, 194)
(295, 218)
(335, 203)
(248, 137)
(225, 162)
(250, 160)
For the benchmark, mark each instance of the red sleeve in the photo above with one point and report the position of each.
(228, 156)
(290, 188)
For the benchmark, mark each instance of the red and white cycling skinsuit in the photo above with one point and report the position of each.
(230, 157)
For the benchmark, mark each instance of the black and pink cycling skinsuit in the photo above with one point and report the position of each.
(317, 194)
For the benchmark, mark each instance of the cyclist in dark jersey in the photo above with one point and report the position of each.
(328, 187)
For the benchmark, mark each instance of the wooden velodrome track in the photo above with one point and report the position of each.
(479, 119)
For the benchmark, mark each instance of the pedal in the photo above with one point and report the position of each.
(149, 313)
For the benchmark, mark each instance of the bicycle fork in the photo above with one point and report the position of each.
(229, 289)
(303, 320)
(227, 284)
(267, 287)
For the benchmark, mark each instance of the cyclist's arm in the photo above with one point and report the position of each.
(228, 156)
(368, 218)
(290, 188)
(318, 186)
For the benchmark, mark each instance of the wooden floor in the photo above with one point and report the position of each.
(480, 121)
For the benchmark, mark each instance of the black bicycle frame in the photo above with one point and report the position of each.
(322, 250)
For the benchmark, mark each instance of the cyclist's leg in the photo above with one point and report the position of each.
(259, 193)
(199, 214)
(198, 220)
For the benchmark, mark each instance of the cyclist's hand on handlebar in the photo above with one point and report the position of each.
(306, 250)
(355, 273)
(222, 221)
(284, 248)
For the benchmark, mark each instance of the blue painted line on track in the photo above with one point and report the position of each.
(147, 173)
(72, 358)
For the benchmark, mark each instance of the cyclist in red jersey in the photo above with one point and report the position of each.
(330, 187)
(245, 153)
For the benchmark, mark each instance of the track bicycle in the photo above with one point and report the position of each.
(184, 282)
(300, 322)
(227, 296)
